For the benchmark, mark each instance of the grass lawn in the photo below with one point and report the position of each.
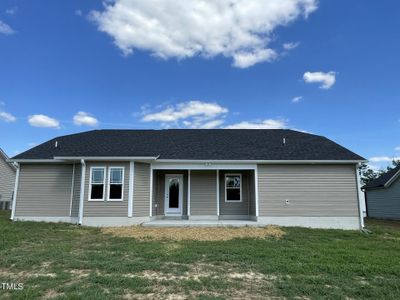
(71, 262)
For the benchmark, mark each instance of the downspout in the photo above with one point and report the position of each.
(14, 200)
(82, 191)
(359, 198)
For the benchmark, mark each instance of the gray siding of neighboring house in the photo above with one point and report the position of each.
(7, 180)
(235, 208)
(384, 203)
(106, 208)
(203, 193)
(76, 191)
(141, 192)
(312, 190)
(159, 191)
(44, 191)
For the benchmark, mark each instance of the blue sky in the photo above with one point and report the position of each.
(139, 65)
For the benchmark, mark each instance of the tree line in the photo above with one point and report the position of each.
(368, 174)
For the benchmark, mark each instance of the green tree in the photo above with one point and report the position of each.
(367, 174)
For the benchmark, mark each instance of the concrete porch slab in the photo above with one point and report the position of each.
(200, 223)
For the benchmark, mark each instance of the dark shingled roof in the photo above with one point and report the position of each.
(381, 180)
(194, 144)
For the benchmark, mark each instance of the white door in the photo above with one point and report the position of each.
(173, 195)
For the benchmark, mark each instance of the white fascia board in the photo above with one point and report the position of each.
(32, 161)
(7, 160)
(259, 161)
(106, 158)
(202, 166)
(391, 180)
(230, 165)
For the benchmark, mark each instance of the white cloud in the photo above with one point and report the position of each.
(291, 45)
(240, 29)
(212, 124)
(247, 59)
(297, 99)
(192, 114)
(327, 80)
(5, 28)
(375, 167)
(265, 124)
(397, 148)
(43, 121)
(12, 10)
(379, 159)
(7, 117)
(83, 118)
(78, 13)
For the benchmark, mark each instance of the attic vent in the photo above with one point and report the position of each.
(284, 141)
(56, 144)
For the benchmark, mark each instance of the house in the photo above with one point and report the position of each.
(383, 196)
(126, 177)
(7, 178)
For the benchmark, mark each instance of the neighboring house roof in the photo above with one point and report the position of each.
(384, 180)
(194, 144)
(4, 156)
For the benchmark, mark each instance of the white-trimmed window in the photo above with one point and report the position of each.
(115, 183)
(233, 187)
(97, 183)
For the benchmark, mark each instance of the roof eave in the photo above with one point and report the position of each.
(262, 161)
(64, 159)
(392, 179)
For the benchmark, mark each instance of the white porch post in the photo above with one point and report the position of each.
(188, 197)
(131, 188)
(14, 200)
(256, 188)
(82, 191)
(359, 198)
(218, 192)
(151, 190)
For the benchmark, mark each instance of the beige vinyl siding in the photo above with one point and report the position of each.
(234, 208)
(252, 194)
(141, 192)
(203, 193)
(76, 191)
(159, 191)
(7, 180)
(384, 203)
(312, 190)
(44, 190)
(106, 208)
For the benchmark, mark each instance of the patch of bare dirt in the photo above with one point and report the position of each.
(79, 273)
(172, 296)
(246, 284)
(195, 234)
(51, 294)
(24, 274)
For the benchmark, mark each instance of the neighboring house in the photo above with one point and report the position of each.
(7, 179)
(383, 196)
(125, 177)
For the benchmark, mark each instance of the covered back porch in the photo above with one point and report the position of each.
(205, 193)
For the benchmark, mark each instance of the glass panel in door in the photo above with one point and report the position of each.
(174, 193)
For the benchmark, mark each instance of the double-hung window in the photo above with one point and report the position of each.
(115, 183)
(233, 188)
(97, 182)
